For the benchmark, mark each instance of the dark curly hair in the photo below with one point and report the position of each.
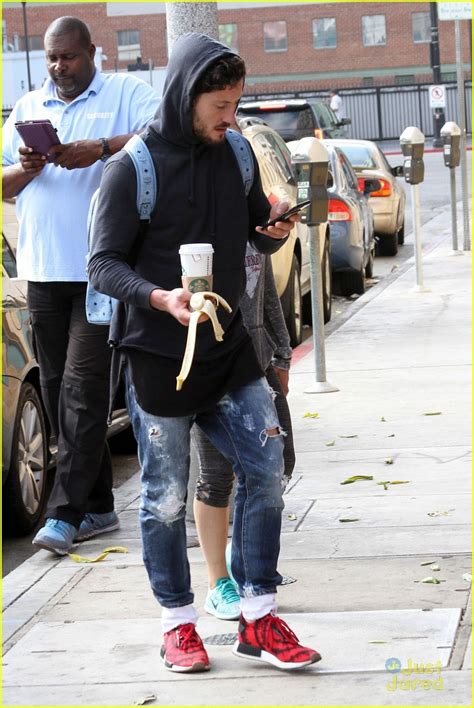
(225, 71)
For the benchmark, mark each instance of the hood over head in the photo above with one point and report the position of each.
(192, 54)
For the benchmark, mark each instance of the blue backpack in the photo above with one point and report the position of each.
(100, 307)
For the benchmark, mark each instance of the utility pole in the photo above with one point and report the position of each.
(182, 17)
(438, 114)
(27, 48)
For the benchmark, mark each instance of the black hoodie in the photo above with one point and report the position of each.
(201, 198)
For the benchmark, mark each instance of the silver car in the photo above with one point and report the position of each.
(387, 203)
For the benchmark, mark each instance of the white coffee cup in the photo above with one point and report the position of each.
(196, 258)
(196, 266)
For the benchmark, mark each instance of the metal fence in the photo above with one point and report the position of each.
(383, 112)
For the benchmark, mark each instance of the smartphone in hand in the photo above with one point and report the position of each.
(286, 215)
(40, 135)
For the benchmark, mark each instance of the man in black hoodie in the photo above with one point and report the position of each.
(201, 199)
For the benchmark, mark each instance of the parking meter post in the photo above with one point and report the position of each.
(412, 142)
(451, 139)
(310, 159)
(462, 121)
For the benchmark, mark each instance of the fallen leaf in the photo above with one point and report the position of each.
(438, 513)
(384, 484)
(338, 312)
(292, 517)
(395, 481)
(400, 481)
(433, 413)
(467, 577)
(347, 436)
(145, 699)
(311, 415)
(345, 521)
(388, 460)
(377, 641)
(426, 563)
(431, 580)
(331, 444)
(82, 559)
(382, 419)
(435, 567)
(391, 436)
(356, 478)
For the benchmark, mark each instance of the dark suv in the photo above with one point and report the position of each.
(297, 118)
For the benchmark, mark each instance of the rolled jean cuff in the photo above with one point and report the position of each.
(253, 608)
(172, 617)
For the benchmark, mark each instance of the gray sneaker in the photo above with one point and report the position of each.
(95, 524)
(56, 536)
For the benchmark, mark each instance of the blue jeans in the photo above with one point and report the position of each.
(244, 427)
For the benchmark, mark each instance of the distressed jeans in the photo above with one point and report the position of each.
(244, 427)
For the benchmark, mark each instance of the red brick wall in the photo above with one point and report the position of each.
(301, 57)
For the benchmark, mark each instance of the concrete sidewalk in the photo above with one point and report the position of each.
(90, 634)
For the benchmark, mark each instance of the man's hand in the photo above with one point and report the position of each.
(281, 228)
(79, 154)
(31, 162)
(283, 376)
(175, 302)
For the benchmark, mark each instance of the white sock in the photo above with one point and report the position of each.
(253, 608)
(172, 617)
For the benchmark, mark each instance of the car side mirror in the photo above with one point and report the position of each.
(345, 121)
(397, 171)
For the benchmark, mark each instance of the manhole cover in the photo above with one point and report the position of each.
(221, 639)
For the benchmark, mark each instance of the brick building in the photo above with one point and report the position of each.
(288, 46)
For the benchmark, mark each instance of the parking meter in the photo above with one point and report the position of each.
(412, 142)
(451, 137)
(310, 159)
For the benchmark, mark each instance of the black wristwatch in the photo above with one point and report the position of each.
(105, 149)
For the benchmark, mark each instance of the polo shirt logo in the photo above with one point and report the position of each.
(92, 116)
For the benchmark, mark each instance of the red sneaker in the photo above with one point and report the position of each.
(183, 650)
(270, 639)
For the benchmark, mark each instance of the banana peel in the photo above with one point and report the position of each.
(202, 303)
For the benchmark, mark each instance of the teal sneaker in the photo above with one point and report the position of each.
(56, 536)
(223, 601)
(95, 524)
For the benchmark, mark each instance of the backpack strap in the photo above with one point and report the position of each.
(244, 157)
(146, 176)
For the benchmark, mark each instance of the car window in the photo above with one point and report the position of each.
(359, 156)
(278, 120)
(322, 115)
(348, 172)
(283, 157)
(332, 117)
(266, 162)
(8, 259)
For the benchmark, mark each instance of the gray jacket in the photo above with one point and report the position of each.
(262, 313)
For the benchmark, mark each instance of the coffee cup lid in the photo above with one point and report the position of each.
(191, 249)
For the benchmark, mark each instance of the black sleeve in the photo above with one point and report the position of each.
(116, 229)
(259, 210)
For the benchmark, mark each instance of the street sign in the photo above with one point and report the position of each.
(437, 96)
(454, 10)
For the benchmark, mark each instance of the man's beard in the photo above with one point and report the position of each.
(201, 132)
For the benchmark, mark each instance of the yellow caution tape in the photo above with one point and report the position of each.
(202, 304)
(101, 556)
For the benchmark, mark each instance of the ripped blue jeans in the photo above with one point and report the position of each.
(244, 427)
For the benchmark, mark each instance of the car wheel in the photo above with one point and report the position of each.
(326, 280)
(401, 234)
(352, 281)
(388, 244)
(292, 304)
(24, 495)
(369, 267)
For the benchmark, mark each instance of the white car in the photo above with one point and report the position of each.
(291, 263)
(387, 203)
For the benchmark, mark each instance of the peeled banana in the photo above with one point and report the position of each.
(202, 303)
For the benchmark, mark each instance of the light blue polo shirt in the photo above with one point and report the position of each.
(52, 208)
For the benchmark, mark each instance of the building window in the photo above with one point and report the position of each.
(128, 45)
(404, 79)
(324, 33)
(34, 42)
(421, 27)
(228, 35)
(368, 81)
(275, 37)
(448, 76)
(373, 30)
